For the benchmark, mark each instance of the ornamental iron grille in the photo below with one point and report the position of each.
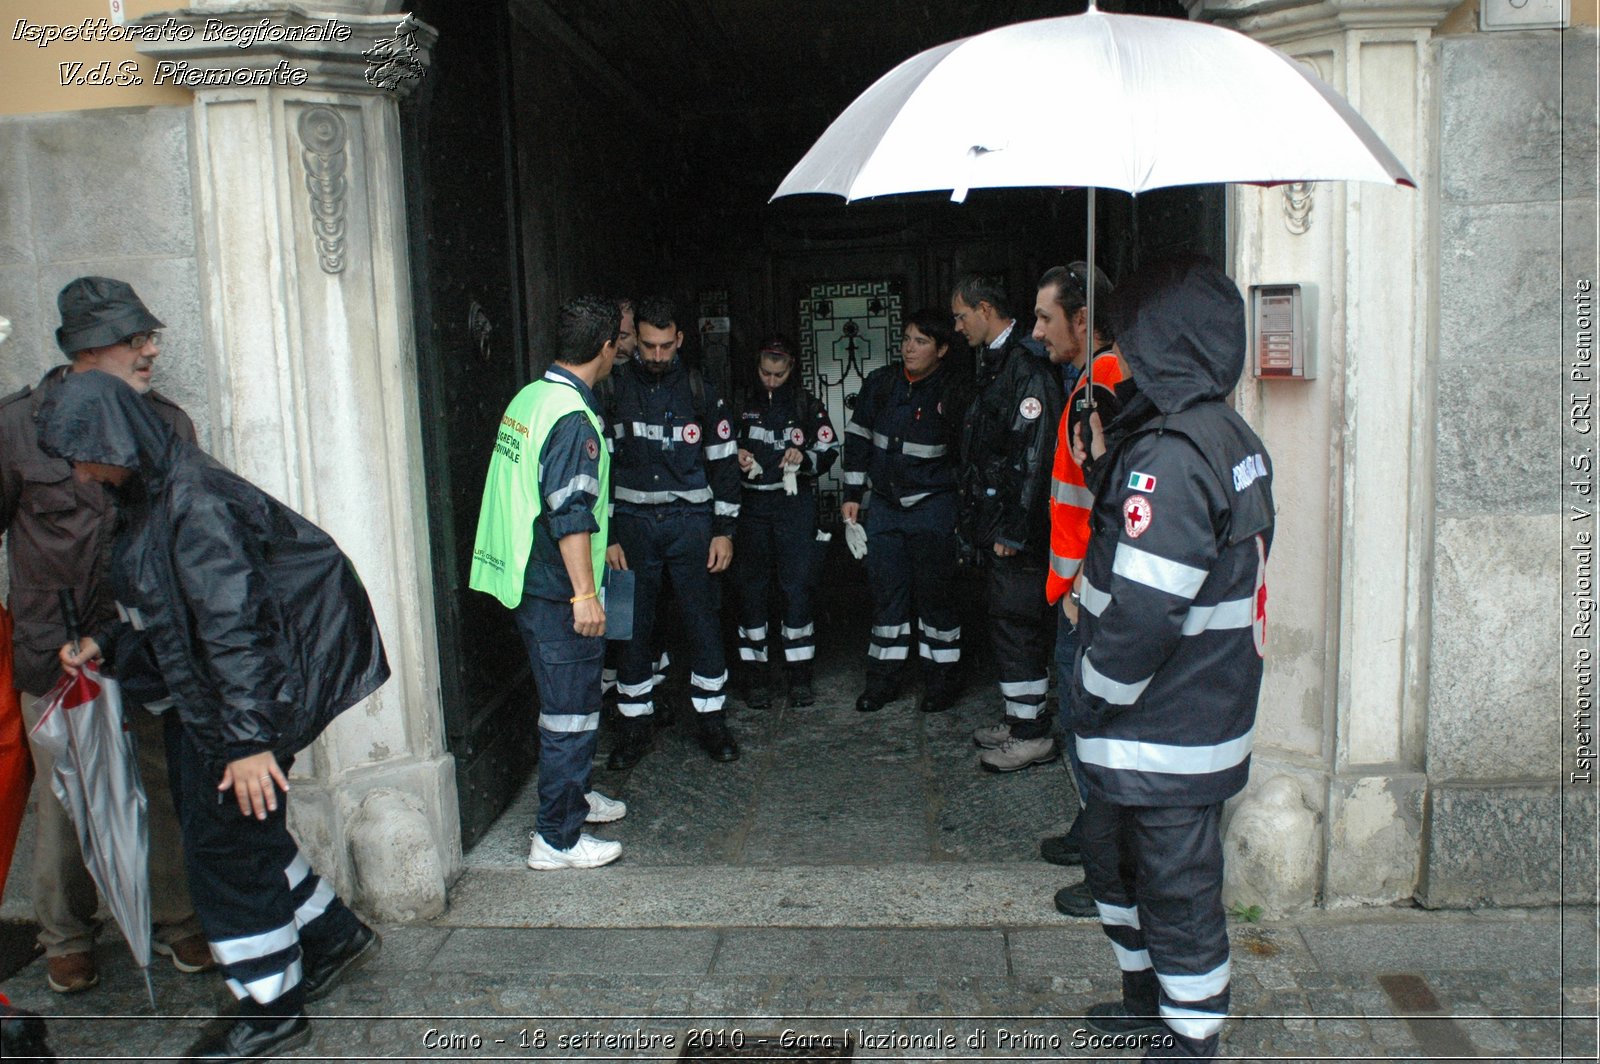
(847, 330)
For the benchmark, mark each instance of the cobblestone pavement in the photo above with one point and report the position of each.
(854, 877)
(1394, 985)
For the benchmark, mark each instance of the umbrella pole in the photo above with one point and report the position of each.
(1084, 431)
(1088, 299)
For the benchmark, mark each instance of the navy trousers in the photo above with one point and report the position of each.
(566, 670)
(776, 542)
(911, 566)
(1156, 876)
(1022, 631)
(670, 542)
(258, 900)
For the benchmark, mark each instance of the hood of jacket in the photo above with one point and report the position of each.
(94, 417)
(1180, 326)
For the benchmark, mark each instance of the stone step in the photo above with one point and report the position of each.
(896, 895)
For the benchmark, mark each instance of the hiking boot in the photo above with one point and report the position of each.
(800, 695)
(757, 696)
(1111, 1017)
(603, 810)
(237, 1040)
(189, 955)
(937, 702)
(632, 742)
(1076, 901)
(716, 739)
(1016, 754)
(71, 972)
(1061, 850)
(992, 736)
(324, 969)
(587, 852)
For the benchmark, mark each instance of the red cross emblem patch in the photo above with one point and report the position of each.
(825, 434)
(1031, 408)
(691, 433)
(1136, 515)
(797, 436)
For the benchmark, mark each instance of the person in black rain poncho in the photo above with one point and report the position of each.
(262, 633)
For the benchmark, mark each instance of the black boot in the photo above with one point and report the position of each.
(757, 695)
(631, 743)
(716, 739)
(800, 687)
(254, 1032)
(324, 970)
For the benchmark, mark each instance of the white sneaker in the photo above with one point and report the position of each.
(603, 810)
(587, 852)
(992, 736)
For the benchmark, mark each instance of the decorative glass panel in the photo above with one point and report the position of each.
(847, 330)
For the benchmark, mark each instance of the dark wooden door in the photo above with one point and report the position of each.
(471, 359)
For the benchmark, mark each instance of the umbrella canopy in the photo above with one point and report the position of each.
(97, 780)
(1114, 101)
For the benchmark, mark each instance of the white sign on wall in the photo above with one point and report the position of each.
(1525, 15)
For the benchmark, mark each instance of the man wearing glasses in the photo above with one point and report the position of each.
(58, 532)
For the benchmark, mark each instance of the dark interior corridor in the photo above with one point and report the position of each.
(556, 147)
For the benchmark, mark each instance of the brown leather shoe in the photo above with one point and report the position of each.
(189, 955)
(71, 972)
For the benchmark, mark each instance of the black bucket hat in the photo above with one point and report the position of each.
(98, 312)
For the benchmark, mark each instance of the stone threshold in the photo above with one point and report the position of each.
(712, 896)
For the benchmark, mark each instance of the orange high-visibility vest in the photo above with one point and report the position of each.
(1070, 501)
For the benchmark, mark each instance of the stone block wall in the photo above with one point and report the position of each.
(1516, 155)
(107, 193)
(100, 192)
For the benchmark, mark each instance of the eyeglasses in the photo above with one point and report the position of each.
(139, 339)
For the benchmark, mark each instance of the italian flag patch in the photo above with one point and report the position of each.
(1141, 482)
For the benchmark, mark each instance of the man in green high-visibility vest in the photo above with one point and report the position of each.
(540, 550)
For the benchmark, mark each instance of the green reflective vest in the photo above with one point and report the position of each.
(511, 493)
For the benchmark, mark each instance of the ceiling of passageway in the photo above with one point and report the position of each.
(757, 81)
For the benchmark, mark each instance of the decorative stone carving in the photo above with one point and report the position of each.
(1270, 850)
(1297, 207)
(323, 133)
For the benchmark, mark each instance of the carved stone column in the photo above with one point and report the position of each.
(306, 288)
(1343, 708)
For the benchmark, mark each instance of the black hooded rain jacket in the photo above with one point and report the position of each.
(1173, 617)
(258, 623)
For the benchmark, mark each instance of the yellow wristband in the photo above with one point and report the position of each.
(575, 599)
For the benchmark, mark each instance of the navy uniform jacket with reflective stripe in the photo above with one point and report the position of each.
(569, 482)
(1008, 443)
(772, 422)
(1172, 620)
(902, 437)
(662, 452)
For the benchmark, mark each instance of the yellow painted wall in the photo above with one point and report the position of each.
(30, 76)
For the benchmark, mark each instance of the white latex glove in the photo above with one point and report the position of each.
(754, 471)
(791, 485)
(855, 538)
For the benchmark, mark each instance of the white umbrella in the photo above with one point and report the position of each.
(97, 781)
(1093, 100)
(1080, 101)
